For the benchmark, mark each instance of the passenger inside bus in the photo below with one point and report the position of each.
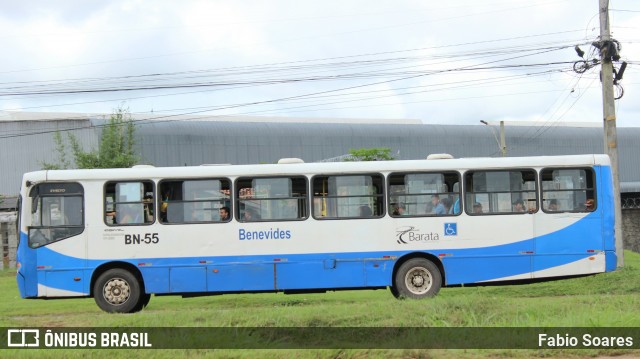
(447, 203)
(250, 215)
(477, 207)
(224, 214)
(164, 205)
(455, 209)
(148, 208)
(589, 205)
(438, 207)
(400, 210)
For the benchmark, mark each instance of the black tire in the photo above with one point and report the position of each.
(394, 291)
(417, 278)
(144, 301)
(118, 291)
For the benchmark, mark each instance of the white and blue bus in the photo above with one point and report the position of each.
(120, 235)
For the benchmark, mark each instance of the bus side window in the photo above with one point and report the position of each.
(194, 201)
(501, 192)
(424, 194)
(568, 190)
(348, 196)
(129, 203)
(271, 199)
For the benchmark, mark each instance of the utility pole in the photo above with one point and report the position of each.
(503, 143)
(609, 112)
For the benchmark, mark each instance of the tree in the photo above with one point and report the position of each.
(115, 149)
(370, 154)
(63, 159)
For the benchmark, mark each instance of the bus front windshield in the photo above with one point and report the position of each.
(56, 213)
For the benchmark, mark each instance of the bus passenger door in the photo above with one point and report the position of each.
(569, 226)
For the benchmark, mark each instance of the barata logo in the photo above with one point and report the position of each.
(411, 234)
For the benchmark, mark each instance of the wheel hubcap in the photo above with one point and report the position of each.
(418, 280)
(116, 291)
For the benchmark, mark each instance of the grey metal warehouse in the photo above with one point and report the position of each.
(26, 140)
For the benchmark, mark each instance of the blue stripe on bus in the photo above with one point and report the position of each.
(26, 258)
(322, 270)
(606, 194)
(606, 203)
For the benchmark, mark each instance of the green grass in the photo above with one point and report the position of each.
(604, 300)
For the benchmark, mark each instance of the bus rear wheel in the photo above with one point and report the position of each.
(118, 291)
(417, 278)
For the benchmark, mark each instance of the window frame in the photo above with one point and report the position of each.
(469, 190)
(443, 172)
(153, 201)
(159, 199)
(593, 189)
(382, 195)
(236, 198)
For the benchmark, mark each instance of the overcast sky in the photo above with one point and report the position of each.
(445, 62)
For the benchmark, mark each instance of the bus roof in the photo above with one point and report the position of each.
(462, 164)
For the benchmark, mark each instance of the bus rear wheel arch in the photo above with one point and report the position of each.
(417, 278)
(118, 290)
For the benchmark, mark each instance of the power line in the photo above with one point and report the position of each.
(268, 81)
(396, 73)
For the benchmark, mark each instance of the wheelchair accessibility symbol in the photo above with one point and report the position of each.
(450, 229)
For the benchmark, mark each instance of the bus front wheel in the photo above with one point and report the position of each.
(417, 278)
(118, 291)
